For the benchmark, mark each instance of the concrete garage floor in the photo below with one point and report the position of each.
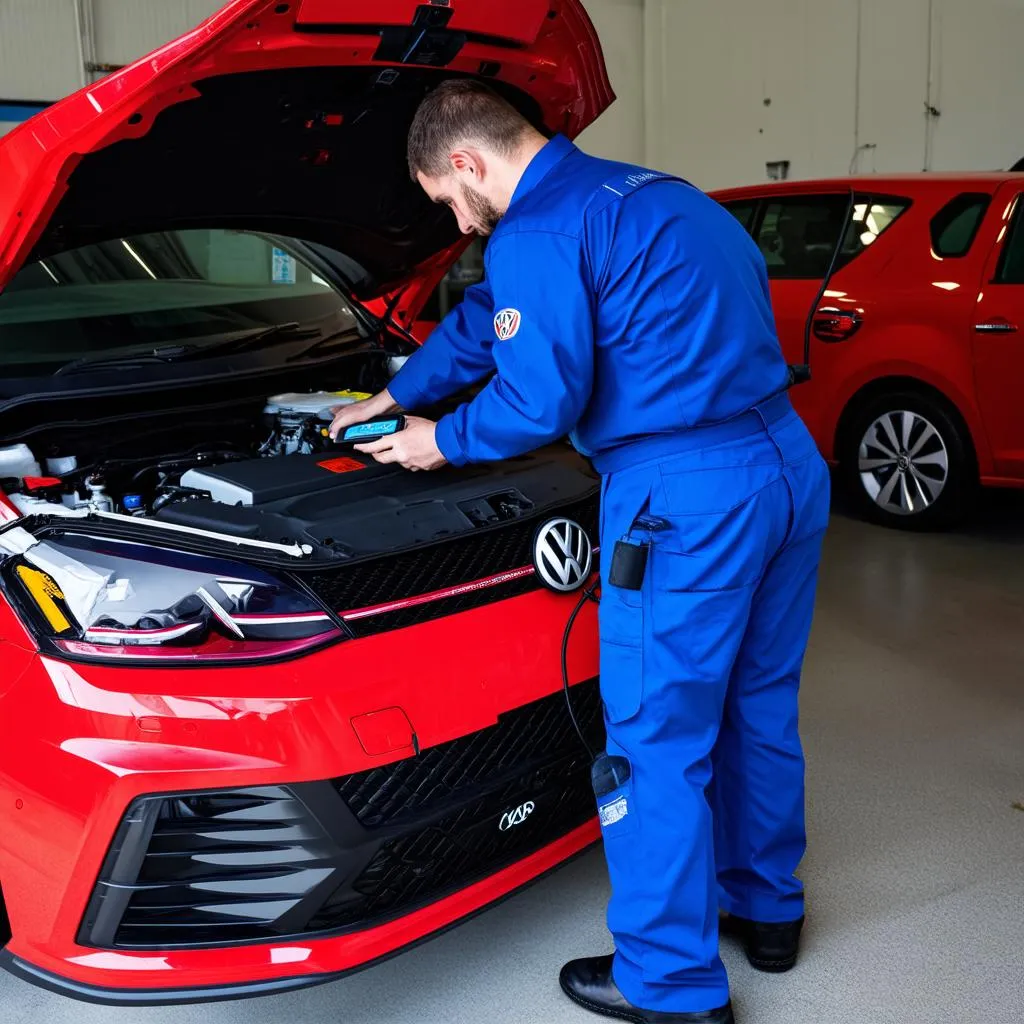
(914, 726)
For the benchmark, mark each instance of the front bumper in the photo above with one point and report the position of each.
(443, 917)
(95, 739)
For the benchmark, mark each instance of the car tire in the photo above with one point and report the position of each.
(906, 460)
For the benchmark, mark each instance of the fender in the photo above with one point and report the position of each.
(836, 405)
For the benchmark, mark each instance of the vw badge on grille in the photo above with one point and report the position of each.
(512, 818)
(562, 555)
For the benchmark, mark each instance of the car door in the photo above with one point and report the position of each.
(998, 343)
(797, 234)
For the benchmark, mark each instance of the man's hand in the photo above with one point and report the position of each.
(414, 448)
(359, 412)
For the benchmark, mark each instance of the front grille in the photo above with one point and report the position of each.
(437, 567)
(526, 736)
(261, 864)
(468, 845)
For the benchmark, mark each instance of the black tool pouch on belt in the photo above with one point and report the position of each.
(629, 562)
(629, 565)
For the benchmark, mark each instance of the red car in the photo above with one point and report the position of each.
(269, 711)
(916, 354)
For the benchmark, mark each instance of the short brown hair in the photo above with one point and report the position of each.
(458, 111)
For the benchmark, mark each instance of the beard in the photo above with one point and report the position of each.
(486, 214)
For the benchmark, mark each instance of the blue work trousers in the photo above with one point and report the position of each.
(700, 670)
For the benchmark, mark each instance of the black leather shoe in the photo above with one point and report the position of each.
(589, 984)
(770, 947)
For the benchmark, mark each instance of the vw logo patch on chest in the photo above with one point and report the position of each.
(512, 818)
(562, 555)
(507, 323)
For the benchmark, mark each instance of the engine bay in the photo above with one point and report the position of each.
(280, 479)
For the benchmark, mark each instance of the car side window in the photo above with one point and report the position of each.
(956, 225)
(1011, 263)
(872, 216)
(798, 234)
(743, 211)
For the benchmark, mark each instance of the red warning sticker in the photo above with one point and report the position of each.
(342, 465)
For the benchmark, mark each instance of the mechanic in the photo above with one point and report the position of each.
(627, 309)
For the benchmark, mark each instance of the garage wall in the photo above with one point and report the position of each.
(725, 93)
(38, 49)
(620, 133)
(832, 85)
(126, 29)
(890, 120)
(978, 84)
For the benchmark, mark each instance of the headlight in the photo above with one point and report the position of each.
(91, 597)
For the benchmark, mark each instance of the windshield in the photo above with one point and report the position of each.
(139, 293)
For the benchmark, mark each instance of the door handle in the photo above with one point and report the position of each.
(996, 327)
(833, 325)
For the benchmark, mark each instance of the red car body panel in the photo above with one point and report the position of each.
(918, 313)
(83, 740)
(112, 735)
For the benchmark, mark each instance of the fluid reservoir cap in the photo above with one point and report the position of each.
(384, 731)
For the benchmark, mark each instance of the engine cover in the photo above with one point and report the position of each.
(347, 505)
(262, 481)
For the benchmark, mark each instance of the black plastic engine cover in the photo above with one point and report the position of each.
(326, 501)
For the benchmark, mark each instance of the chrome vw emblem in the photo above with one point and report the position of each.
(562, 555)
(512, 818)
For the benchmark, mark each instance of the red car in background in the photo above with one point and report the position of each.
(269, 711)
(917, 350)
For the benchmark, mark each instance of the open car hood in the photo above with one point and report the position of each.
(291, 118)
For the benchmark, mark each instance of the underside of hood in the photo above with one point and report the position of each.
(312, 153)
(290, 119)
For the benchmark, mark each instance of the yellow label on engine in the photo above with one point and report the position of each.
(356, 396)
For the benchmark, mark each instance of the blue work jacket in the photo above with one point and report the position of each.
(617, 304)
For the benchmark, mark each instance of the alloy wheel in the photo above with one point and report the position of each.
(903, 463)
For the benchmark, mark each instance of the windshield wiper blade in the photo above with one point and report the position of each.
(253, 340)
(345, 338)
(250, 341)
(167, 354)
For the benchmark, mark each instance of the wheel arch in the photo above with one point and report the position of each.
(899, 384)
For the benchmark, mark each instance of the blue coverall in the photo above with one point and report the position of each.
(629, 310)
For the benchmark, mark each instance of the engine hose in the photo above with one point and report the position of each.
(172, 493)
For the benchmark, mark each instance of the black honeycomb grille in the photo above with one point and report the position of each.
(464, 847)
(440, 816)
(522, 738)
(440, 566)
